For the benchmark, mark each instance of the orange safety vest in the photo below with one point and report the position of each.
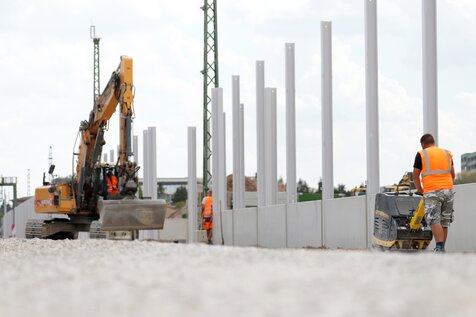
(436, 169)
(112, 185)
(208, 208)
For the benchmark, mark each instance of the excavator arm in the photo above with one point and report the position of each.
(118, 91)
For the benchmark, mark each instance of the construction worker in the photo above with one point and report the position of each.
(435, 166)
(111, 184)
(207, 215)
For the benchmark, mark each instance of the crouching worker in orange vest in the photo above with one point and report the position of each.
(111, 184)
(435, 166)
(207, 215)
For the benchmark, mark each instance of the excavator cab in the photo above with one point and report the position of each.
(120, 210)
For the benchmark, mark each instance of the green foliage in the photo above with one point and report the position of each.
(303, 187)
(180, 195)
(465, 178)
(179, 204)
(340, 189)
(309, 196)
(160, 189)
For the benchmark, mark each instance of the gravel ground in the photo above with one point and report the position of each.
(109, 278)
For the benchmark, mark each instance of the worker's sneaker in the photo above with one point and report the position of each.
(439, 250)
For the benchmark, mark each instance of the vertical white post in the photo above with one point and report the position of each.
(430, 72)
(242, 186)
(270, 146)
(326, 117)
(291, 188)
(238, 176)
(192, 184)
(217, 117)
(146, 170)
(136, 149)
(371, 96)
(223, 180)
(104, 155)
(152, 136)
(260, 133)
(111, 156)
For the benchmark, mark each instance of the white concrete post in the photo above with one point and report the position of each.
(260, 133)
(152, 136)
(291, 187)
(223, 181)
(430, 71)
(217, 117)
(145, 165)
(238, 174)
(326, 117)
(242, 186)
(136, 148)
(371, 96)
(192, 184)
(270, 146)
(104, 155)
(111, 156)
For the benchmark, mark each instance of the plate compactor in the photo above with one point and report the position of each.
(399, 222)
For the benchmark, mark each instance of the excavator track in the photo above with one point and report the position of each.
(95, 231)
(34, 229)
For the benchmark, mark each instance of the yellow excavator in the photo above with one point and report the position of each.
(84, 197)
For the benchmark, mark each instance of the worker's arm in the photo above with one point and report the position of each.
(416, 179)
(453, 173)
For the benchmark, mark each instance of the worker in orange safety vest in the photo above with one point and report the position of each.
(435, 166)
(207, 215)
(111, 184)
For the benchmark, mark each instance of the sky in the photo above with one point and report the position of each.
(47, 79)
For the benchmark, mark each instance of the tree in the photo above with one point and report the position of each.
(160, 189)
(180, 195)
(465, 178)
(340, 189)
(302, 187)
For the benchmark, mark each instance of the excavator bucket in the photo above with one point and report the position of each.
(131, 214)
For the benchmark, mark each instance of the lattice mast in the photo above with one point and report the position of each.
(210, 79)
(92, 35)
(50, 157)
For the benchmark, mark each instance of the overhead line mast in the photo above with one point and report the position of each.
(210, 79)
(92, 35)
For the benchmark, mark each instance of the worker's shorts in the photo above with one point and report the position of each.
(439, 207)
(207, 224)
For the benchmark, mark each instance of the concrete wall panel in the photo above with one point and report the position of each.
(272, 226)
(227, 223)
(304, 224)
(345, 223)
(462, 235)
(245, 227)
(175, 229)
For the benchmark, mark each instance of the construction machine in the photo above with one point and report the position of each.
(399, 222)
(405, 184)
(77, 201)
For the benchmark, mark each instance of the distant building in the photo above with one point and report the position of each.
(468, 162)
